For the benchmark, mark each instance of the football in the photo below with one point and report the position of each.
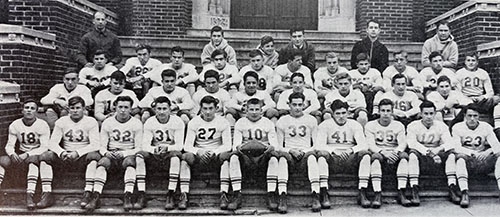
(253, 148)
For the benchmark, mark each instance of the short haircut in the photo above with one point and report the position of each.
(123, 99)
(31, 100)
(218, 52)
(362, 57)
(250, 74)
(402, 52)
(372, 21)
(427, 104)
(331, 55)
(294, 53)
(472, 54)
(343, 75)
(118, 75)
(443, 78)
(142, 47)
(177, 49)
(161, 99)
(442, 22)
(294, 75)
(253, 53)
(209, 100)
(434, 54)
(254, 101)
(472, 106)
(100, 52)
(296, 95)
(266, 39)
(99, 12)
(70, 71)
(397, 76)
(211, 74)
(386, 102)
(168, 73)
(297, 29)
(216, 29)
(338, 104)
(75, 100)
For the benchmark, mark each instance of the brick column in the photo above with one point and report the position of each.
(161, 18)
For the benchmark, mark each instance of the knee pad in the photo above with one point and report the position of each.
(129, 161)
(172, 154)
(190, 158)
(377, 156)
(35, 159)
(324, 154)
(403, 155)
(104, 162)
(363, 153)
(5, 161)
(48, 157)
(224, 156)
(93, 156)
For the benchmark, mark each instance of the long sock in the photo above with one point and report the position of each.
(185, 177)
(224, 177)
(90, 174)
(313, 173)
(129, 179)
(462, 174)
(2, 174)
(173, 173)
(413, 169)
(32, 178)
(451, 169)
(235, 172)
(497, 172)
(282, 175)
(364, 172)
(272, 174)
(46, 176)
(323, 172)
(100, 179)
(402, 173)
(376, 176)
(140, 173)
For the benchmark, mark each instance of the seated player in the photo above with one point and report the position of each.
(207, 147)
(217, 42)
(266, 73)
(400, 67)
(237, 106)
(353, 97)
(284, 71)
(368, 80)
(254, 143)
(324, 77)
(477, 150)
(386, 139)
(296, 133)
(162, 143)
(179, 97)
(430, 143)
(186, 72)
(448, 102)
(211, 88)
(311, 103)
(28, 139)
(57, 98)
(79, 136)
(121, 137)
(103, 106)
(405, 102)
(96, 77)
(136, 67)
(429, 75)
(342, 143)
(229, 77)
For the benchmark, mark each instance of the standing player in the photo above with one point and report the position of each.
(32, 136)
(207, 145)
(80, 144)
(97, 76)
(121, 136)
(211, 88)
(229, 76)
(477, 150)
(311, 103)
(342, 143)
(429, 141)
(162, 143)
(387, 141)
(254, 130)
(295, 133)
(324, 77)
(266, 73)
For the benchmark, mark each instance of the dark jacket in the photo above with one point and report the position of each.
(95, 40)
(308, 59)
(379, 54)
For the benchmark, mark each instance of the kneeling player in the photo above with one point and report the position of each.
(387, 141)
(80, 145)
(295, 132)
(254, 143)
(120, 139)
(477, 151)
(162, 144)
(207, 145)
(32, 135)
(341, 142)
(429, 140)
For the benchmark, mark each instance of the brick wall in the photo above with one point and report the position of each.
(434, 8)
(4, 11)
(492, 66)
(8, 113)
(161, 18)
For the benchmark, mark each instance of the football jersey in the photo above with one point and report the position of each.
(187, 73)
(92, 74)
(428, 76)
(266, 77)
(33, 139)
(296, 133)
(475, 83)
(125, 137)
(390, 137)
(229, 73)
(178, 96)
(355, 99)
(59, 91)
(478, 139)
(262, 130)
(104, 100)
(134, 68)
(370, 78)
(222, 95)
(169, 134)
(408, 102)
(283, 75)
(440, 102)
(322, 76)
(336, 138)
(208, 135)
(81, 136)
(421, 138)
(311, 100)
(411, 74)
(239, 100)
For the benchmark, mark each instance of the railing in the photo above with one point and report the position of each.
(91, 8)
(19, 34)
(488, 50)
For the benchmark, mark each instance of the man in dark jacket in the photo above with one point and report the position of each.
(298, 42)
(378, 53)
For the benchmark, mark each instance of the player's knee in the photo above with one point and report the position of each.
(461, 157)
(142, 154)
(272, 113)
(323, 154)
(364, 153)
(189, 158)
(129, 161)
(403, 155)
(5, 161)
(174, 154)
(93, 156)
(224, 156)
(104, 162)
(273, 160)
(413, 156)
(48, 157)
(35, 159)
(377, 156)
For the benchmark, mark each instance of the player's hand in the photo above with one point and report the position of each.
(61, 102)
(73, 155)
(174, 107)
(481, 156)
(64, 155)
(296, 154)
(269, 149)
(345, 154)
(437, 159)
(109, 155)
(14, 157)
(377, 89)
(110, 64)
(205, 158)
(391, 156)
(478, 98)
(89, 65)
(135, 79)
(399, 113)
(118, 155)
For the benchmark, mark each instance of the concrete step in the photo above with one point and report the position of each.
(277, 34)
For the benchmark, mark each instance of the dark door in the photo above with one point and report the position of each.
(274, 14)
